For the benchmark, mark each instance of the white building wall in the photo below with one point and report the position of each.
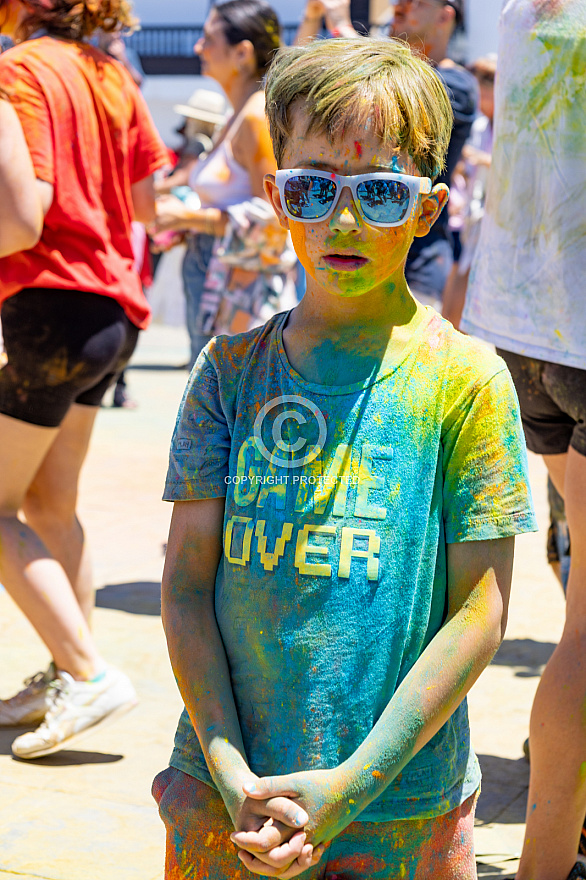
(482, 27)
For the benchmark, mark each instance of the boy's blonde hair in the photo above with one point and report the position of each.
(360, 83)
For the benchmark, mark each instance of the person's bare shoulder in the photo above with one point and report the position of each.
(252, 118)
(251, 142)
(255, 106)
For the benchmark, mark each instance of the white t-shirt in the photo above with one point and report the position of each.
(527, 289)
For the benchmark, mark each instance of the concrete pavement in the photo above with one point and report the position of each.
(86, 813)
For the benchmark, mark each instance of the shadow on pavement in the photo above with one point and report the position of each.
(490, 871)
(60, 759)
(8, 735)
(526, 656)
(140, 597)
(505, 783)
(71, 758)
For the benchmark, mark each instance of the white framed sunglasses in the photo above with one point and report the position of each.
(383, 198)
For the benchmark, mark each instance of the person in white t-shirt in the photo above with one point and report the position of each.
(527, 296)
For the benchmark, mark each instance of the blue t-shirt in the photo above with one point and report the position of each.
(339, 503)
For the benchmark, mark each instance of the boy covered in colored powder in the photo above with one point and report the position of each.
(348, 480)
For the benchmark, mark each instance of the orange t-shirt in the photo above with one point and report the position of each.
(90, 134)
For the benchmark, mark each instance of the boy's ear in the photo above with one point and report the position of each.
(431, 207)
(272, 193)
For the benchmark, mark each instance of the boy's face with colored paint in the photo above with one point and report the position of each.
(346, 255)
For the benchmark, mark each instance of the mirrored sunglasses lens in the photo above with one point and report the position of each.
(383, 201)
(308, 197)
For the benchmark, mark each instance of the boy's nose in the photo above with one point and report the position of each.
(345, 216)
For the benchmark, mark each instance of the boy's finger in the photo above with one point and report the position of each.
(302, 864)
(269, 786)
(257, 841)
(257, 867)
(317, 853)
(286, 811)
(282, 857)
(305, 858)
(267, 838)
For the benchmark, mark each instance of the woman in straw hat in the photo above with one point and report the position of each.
(239, 40)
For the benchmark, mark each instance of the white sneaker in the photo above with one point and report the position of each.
(75, 707)
(28, 706)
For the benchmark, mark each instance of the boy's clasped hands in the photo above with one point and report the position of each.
(302, 810)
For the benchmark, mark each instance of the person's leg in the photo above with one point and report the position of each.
(61, 346)
(414, 849)
(550, 401)
(194, 270)
(33, 578)
(51, 500)
(556, 468)
(558, 536)
(557, 791)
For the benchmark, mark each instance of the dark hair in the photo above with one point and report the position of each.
(484, 69)
(252, 20)
(76, 19)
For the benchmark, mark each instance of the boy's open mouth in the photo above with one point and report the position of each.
(349, 262)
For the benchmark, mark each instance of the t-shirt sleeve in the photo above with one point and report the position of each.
(147, 150)
(29, 101)
(200, 449)
(486, 492)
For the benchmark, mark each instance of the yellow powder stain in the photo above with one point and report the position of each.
(366, 766)
(377, 774)
(558, 334)
(297, 231)
(350, 801)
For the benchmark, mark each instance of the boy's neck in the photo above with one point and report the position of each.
(331, 340)
(375, 313)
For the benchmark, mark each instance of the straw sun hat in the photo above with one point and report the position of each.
(206, 105)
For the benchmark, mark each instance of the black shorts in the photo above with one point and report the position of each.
(62, 347)
(553, 404)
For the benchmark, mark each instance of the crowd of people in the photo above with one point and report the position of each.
(338, 573)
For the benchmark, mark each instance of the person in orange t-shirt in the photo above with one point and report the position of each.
(71, 306)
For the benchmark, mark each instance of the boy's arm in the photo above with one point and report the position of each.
(479, 579)
(201, 669)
